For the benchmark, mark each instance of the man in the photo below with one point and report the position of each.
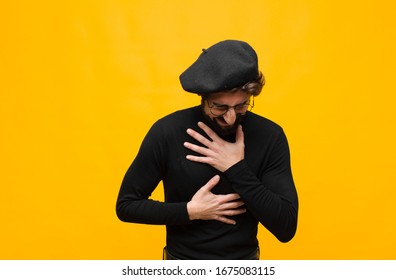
(224, 168)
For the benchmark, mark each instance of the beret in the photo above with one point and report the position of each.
(223, 66)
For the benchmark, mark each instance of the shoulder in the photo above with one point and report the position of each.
(260, 125)
(179, 118)
(265, 136)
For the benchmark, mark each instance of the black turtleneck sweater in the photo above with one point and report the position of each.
(263, 180)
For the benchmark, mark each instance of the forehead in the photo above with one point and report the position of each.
(228, 98)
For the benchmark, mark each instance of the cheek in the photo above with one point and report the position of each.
(208, 113)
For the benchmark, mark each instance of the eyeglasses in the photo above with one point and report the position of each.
(240, 109)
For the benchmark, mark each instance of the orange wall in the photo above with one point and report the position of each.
(81, 82)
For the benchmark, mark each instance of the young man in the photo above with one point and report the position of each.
(224, 168)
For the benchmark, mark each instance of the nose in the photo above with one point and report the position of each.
(230, 116)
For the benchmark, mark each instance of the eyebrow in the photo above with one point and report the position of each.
(225, 105)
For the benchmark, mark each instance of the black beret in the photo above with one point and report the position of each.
(223, 66)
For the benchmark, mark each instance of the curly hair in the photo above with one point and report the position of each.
(252, 88)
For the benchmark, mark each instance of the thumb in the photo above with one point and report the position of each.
(240, 137)
(211, 183)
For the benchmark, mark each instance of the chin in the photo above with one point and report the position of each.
(221, 130)
(227, 130)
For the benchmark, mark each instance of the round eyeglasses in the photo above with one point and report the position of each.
(240, 109)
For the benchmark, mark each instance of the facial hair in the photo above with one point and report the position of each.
(221, 131)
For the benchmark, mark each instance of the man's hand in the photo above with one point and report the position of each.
(218, 153)
(205, 205)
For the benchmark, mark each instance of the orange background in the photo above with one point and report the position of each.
(81, 82)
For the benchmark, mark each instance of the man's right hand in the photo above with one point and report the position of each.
(205, 205)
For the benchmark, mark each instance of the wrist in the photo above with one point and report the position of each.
(231, 165)
(191, 211)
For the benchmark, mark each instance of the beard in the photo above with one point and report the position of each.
(223, 132)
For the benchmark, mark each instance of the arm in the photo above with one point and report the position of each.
(143, 176)
(270, 196)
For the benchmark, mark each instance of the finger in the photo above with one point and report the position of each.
(208, 131)
(234, 212)
(233, 205)
(240, 137)
(211, 183)
(201, 139)
(200, 150)
(229, 197)
(198, 159)
(226, 220)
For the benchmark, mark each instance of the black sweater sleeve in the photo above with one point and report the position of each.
(271, 196)
(142, 177)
